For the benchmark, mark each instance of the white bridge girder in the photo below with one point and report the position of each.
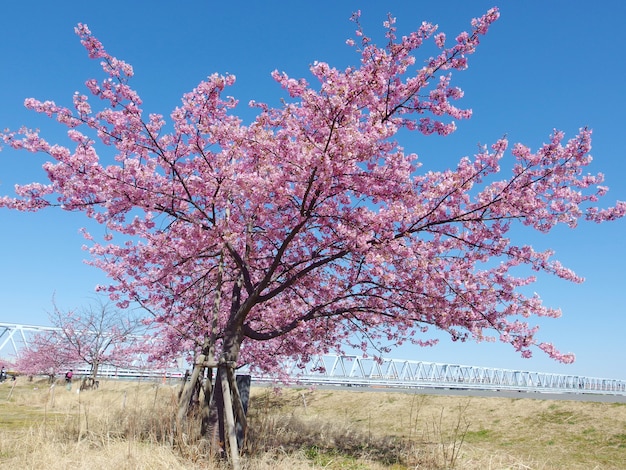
(14, 336)
(356, 370)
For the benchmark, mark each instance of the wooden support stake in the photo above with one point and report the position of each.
(188, 387)
(230, 419)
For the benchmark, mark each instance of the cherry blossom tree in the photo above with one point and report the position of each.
(97, 334)
(309, 228)
(94, 335)
(45, 354)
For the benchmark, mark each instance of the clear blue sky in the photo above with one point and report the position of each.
(544, 65)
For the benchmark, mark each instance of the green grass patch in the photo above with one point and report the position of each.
(558, 417)
(18, 417)
(479, 436)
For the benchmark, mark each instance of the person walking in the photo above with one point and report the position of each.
(68, 379)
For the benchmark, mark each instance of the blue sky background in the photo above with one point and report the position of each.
(543, 65)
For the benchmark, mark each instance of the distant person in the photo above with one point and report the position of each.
(68, 379)
(3, 374)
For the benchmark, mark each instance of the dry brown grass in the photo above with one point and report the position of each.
(127, 425)
(473, 432)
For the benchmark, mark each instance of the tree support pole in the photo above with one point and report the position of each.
(188, 387)
(183, 404)
(229, 418)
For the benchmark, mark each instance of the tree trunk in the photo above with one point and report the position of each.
(94, 369)
(222, 410)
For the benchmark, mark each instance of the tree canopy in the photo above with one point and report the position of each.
(310, 228)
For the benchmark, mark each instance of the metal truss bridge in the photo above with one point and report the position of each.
(14, 336)
(359, 371)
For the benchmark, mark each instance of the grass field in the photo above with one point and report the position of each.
(127, 425)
